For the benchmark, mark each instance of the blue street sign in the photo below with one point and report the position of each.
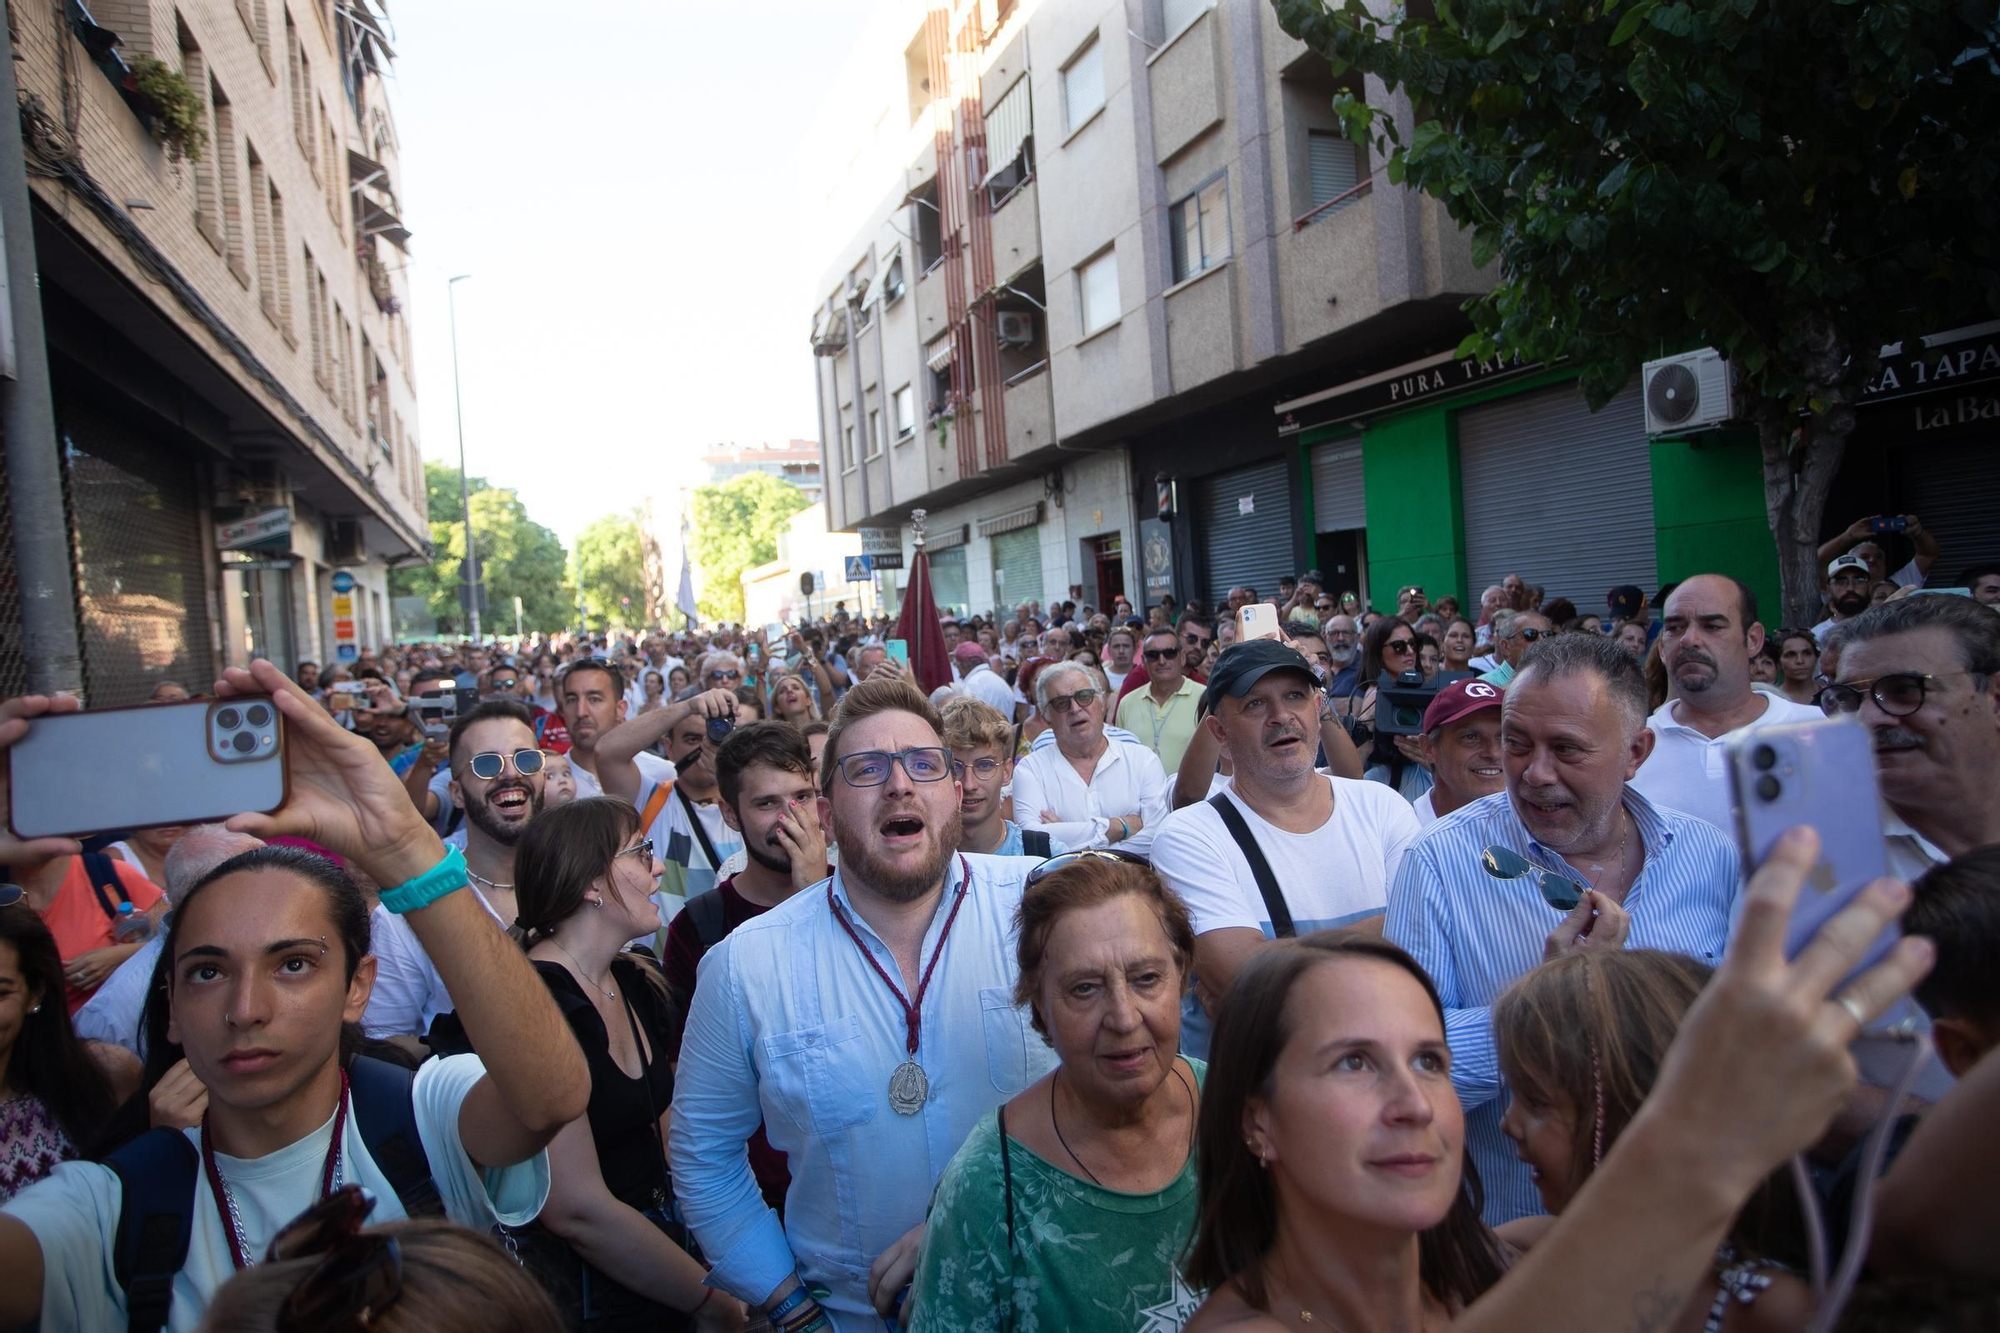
(343, 581)
(860, 568)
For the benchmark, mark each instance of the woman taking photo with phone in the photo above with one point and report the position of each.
(608, 1245)
(1335, 1187)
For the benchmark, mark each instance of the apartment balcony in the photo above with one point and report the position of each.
(1017, 232)
(1030, 410)
(1202, 342)
(933, 318)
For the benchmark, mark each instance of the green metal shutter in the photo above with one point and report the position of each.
(1017, 567)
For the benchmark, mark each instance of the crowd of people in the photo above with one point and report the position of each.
(1400, 970)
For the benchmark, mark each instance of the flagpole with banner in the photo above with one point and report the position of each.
(684, 600)
(918, 625)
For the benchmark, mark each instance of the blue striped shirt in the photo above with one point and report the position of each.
(1476, 935)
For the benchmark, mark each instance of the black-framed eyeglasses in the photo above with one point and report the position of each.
(491, 764)
(1193, 639)
(985, 767)
(871, 768)
(1899, 694)
(1400, 646)
(1506, 863)
(1055, 863)
(1162, 654)
(1532, 635)
(11, 894)
(358, 1277)
(1062, 703)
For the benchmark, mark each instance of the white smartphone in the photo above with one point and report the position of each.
(114, 769)
(1821, 774)
(1258, 620)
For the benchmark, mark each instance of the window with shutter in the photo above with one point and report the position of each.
(1335, 166)
(1083, 84)
(1177, 14)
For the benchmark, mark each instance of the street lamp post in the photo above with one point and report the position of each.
(471, 569)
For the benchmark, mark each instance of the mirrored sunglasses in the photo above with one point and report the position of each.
(490, 764)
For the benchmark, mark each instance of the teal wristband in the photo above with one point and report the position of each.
(447, 876)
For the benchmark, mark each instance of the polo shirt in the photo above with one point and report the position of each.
(1689, 772)
(1165, 729)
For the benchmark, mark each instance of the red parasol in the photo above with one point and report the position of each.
(918, 626)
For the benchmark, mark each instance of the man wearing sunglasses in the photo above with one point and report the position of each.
(1512, 638)
(869, 1023)
(496, 778)
(1163, 714)
(1088, 789)
(1572, 734)
(1922, 673)
(1708, 635)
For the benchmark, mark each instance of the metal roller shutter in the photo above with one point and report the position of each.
(1558, 494)
(1950, 485)
(1338, 502)
(142, 595)
(1253, 547)
(948, 589)
(1017, 567)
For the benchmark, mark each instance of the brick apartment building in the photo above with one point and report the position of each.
(228, 337)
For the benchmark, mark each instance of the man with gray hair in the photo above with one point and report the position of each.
(1089, 789)
(113, 1013)
(1569, 858)
(1514, 633)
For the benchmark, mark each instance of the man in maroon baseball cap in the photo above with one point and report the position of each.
(1462, 746)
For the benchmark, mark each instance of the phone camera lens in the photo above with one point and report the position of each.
(1765, 758)
(1768, 788)
(228, 719)
(259, 715)
(244, 742)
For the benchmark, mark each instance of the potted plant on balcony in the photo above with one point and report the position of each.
(177, 115)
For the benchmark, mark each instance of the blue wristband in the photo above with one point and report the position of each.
(447, 876)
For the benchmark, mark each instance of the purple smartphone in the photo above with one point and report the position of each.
(1821, 774)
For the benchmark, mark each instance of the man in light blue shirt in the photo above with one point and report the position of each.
(1573, 732)
(115, 1012)
(869, 1021)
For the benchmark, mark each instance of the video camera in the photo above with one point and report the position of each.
(1401, 700)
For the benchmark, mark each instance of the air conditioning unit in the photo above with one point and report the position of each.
(344, 542)
(1691, 392)
(1016, 328)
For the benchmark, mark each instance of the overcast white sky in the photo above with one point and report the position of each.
(620, 179)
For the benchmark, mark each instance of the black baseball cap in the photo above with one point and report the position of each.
(1242, 665)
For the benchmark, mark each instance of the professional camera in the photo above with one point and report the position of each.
(719, 729)
(1401, 700)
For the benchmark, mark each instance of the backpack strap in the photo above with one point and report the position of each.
(103, 871)
(1267, 883)
(654, 804)
(156, 1179)
(709, 914)
(1037, 842)
(385, 1114)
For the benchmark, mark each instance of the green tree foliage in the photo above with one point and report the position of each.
(611, 572)
(735, 526)
(1795, 185)
(518, 557)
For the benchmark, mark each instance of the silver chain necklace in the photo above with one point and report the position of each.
(481, 879)
(606, 992)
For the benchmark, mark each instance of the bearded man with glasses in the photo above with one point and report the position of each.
(1923, 675)
(868, 1023)
(496, 778)
(1090, 788)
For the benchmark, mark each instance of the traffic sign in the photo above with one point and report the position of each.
(859, 568)
(343, 581)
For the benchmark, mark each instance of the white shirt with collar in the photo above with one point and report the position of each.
(1128, 778)
(987, 686)
(1689, 772)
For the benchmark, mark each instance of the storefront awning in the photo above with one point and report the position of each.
(1025, 517)
(946, 538)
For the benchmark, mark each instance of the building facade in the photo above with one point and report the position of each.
(1122, 309)
(228, 332)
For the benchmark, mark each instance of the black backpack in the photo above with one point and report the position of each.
(157, 1171)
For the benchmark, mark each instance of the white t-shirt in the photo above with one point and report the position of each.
(1422, 808)
(408, 991)
(652, 770)
(74, 1212)
(1334, 876)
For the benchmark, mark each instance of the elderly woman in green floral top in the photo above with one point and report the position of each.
(1069, 1208)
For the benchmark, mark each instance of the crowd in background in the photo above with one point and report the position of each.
(1282, 961)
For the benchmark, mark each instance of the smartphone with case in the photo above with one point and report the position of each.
(1822, 774)
(112, 769)
(1258, 620)
(900, 650)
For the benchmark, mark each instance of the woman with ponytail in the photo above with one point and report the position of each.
(608, 1245)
